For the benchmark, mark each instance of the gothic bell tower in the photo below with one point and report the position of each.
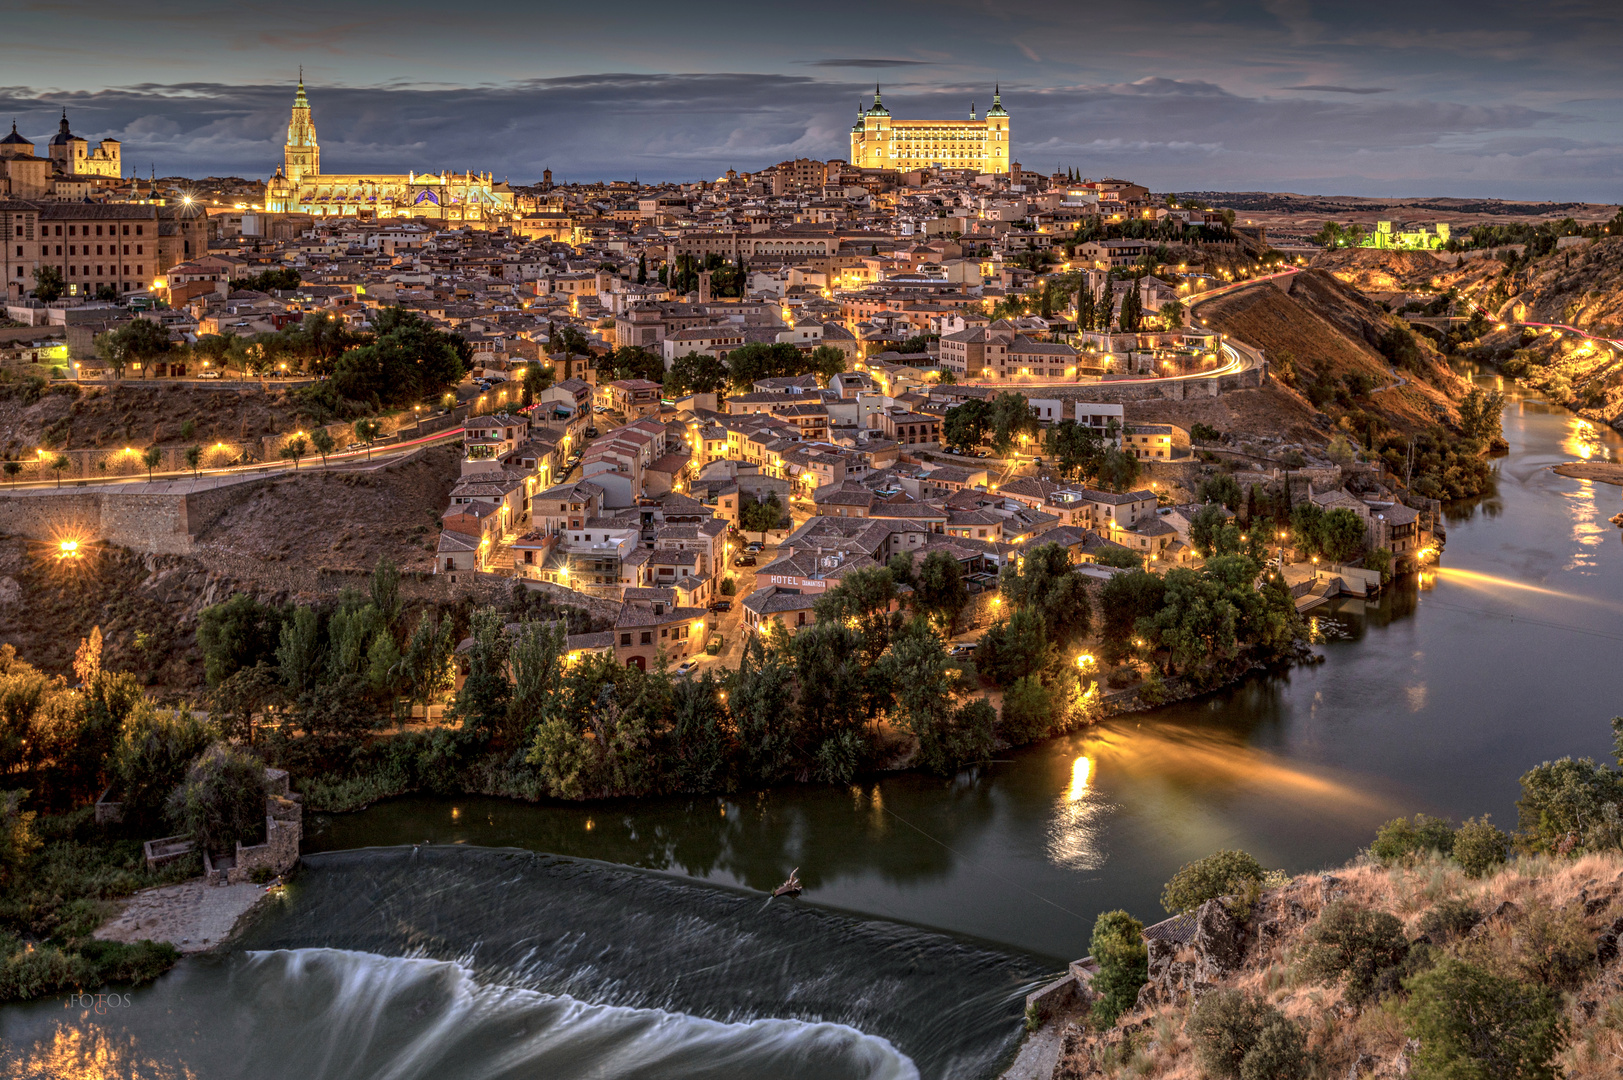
(302, 156)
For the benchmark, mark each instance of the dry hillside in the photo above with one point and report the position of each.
(340, 520)
(267, 543)
(1542, 921)
(1324, 331)
(136, 413)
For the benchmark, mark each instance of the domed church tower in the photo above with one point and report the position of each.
(301, 157)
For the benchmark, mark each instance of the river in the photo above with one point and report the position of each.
(633, 948)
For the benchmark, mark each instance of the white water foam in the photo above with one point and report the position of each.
(330, 1014)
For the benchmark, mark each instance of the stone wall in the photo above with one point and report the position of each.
(147, 523)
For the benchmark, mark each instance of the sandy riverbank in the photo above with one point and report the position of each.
(192, 916)
(1607, 472)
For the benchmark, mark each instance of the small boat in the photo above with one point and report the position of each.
(790, 888)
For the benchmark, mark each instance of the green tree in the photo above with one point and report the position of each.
(294, 449)
(321, 441)
(1010, 418)
(1125, 600)
(11, 468)
(760, 696)
(1118, 946)
(1211, 532)
(237, 633)
(965, 426)
(760, 515)
(1220, 874)
(222, 800)
(194, 460)
(1220, 488)
(150, 457)
(482, 702)
(1571, 806)
(939, 591)
(1240, 1037)
(1013, 648)
(1341, 534)
(1307, 527)
(48, 284)
(136, 342)
(58, 465)
(155, 749)
(1118, 470)
(826, 362)
(537, 378)
(366, 432)
(1028, 711)
(1474, 1024)
(426, 661)
(299, 653)
(408, 360)
(1045, 580)
(695, 373)
(1077, 449)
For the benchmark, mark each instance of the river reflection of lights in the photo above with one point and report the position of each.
(1072, 835)
(1156, 770)
(1477, 580)
(75, 1054)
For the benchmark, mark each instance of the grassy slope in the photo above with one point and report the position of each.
(1339, 1034)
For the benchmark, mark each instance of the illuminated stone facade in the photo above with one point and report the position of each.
(879, 141)
(300, 186)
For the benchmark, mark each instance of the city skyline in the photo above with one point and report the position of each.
(1315, 98)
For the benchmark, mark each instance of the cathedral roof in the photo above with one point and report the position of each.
(14, 139)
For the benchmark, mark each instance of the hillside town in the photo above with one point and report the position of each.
(625, 622)
(890, 360)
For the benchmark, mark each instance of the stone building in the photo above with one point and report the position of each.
(300, 186)
(878, 141)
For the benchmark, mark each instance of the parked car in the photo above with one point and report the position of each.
(753, 545)
(211, 373)
(963, 648)
(722, 605)
(686, 667)
(591, 433)
(744, 560)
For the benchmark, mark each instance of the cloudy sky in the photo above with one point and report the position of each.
(1373, 98)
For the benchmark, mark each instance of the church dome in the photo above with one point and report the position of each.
(15, 139)
(63, 135)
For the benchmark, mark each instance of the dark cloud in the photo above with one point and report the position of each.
(1343, 89)
(869, 63)
(1172, 134)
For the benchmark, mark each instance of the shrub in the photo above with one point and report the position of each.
(1352, 942)
(1472, 1023)
(1280, 1052)
(154, 751)
(1124, 965)
(1239, 1037)
(1225, 873)
(1403, 839)
(222, 800)
(1480, 847)
(118, 962)
(1028, 711)
(30, 973)
(1448, 920)
(729, 586)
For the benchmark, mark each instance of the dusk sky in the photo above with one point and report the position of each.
(1373, 98)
